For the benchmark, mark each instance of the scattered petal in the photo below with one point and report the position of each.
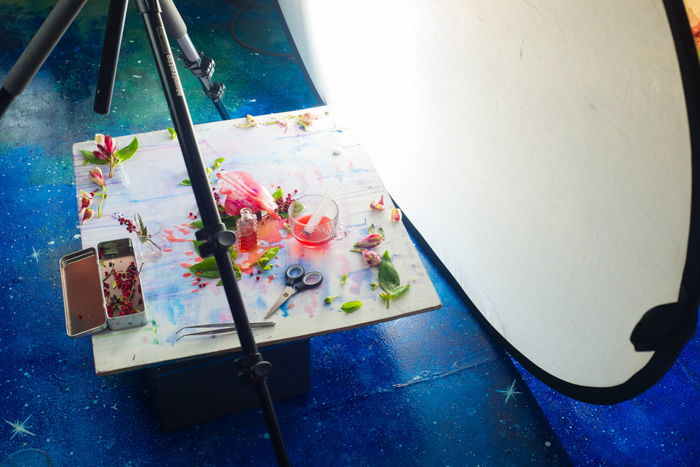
(377, 205)
(85, 215)
(249, 122)
(370, 241)
(372, 258)
(96, 177)
(349, 307)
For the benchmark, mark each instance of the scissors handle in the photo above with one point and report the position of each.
(309, 281)
(293, 274)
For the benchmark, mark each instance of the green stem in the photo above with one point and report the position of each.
(102, 195)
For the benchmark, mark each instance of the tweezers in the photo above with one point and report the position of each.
(218, 328)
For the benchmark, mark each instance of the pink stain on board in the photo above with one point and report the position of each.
(172, 238)
(309, 309)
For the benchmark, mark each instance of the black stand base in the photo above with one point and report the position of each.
(195, 391)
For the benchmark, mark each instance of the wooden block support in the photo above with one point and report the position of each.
(194, 391)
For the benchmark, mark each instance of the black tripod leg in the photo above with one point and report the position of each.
(41, 45)
(217, 239)
(201, 67)
(110, 55)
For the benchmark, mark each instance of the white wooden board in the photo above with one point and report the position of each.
(307, 161)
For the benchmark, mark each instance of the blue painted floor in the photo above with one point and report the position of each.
(423, 390)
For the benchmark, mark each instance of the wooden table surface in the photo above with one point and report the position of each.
(328, 154)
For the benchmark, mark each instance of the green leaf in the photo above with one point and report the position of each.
(88, 156)
(399, 291)
(185, 182)
(343, 278)
(230, 223)
(387, 275)
(109, 248)
(208, 264)
(329, 300)
(277, 194)
(173, 133)
(125, 153)
(296, 208)
(371, 229)
(197, 224)
(269, 254)
(374, 285)
(142, 227)
(218, 162)
(209, 274)
(349, 307)
(196, 244)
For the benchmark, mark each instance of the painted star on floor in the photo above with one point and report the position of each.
(509, 392)
(35, 255)
(20, 428)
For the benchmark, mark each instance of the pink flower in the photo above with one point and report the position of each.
(372, 258)
(370, 241)
(85, 214)
(377, 205)
(396, 215)
(85, 200)
(243, 191)
(105, 151)
(96, 177)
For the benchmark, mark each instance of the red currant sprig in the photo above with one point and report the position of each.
(283, 203)
(130, 227)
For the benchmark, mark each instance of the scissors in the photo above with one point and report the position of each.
(297, 280)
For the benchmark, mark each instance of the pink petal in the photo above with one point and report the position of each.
(85, 214)
(242, 190)
(109, 144)
(100, 155)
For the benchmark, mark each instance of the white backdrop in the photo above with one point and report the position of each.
(541, 147)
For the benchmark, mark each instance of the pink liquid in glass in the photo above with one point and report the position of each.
(322, 233)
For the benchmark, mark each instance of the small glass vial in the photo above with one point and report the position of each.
(247, 230)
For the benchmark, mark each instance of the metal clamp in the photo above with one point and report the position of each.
(220, 239)
(253, 368)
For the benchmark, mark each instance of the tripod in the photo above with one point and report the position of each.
(217, 239)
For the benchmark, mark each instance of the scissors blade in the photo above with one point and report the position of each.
(288, 292)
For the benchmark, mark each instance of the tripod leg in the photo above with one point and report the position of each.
(217, 239)
(39, 48)
(110, 55)
(202, 67)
